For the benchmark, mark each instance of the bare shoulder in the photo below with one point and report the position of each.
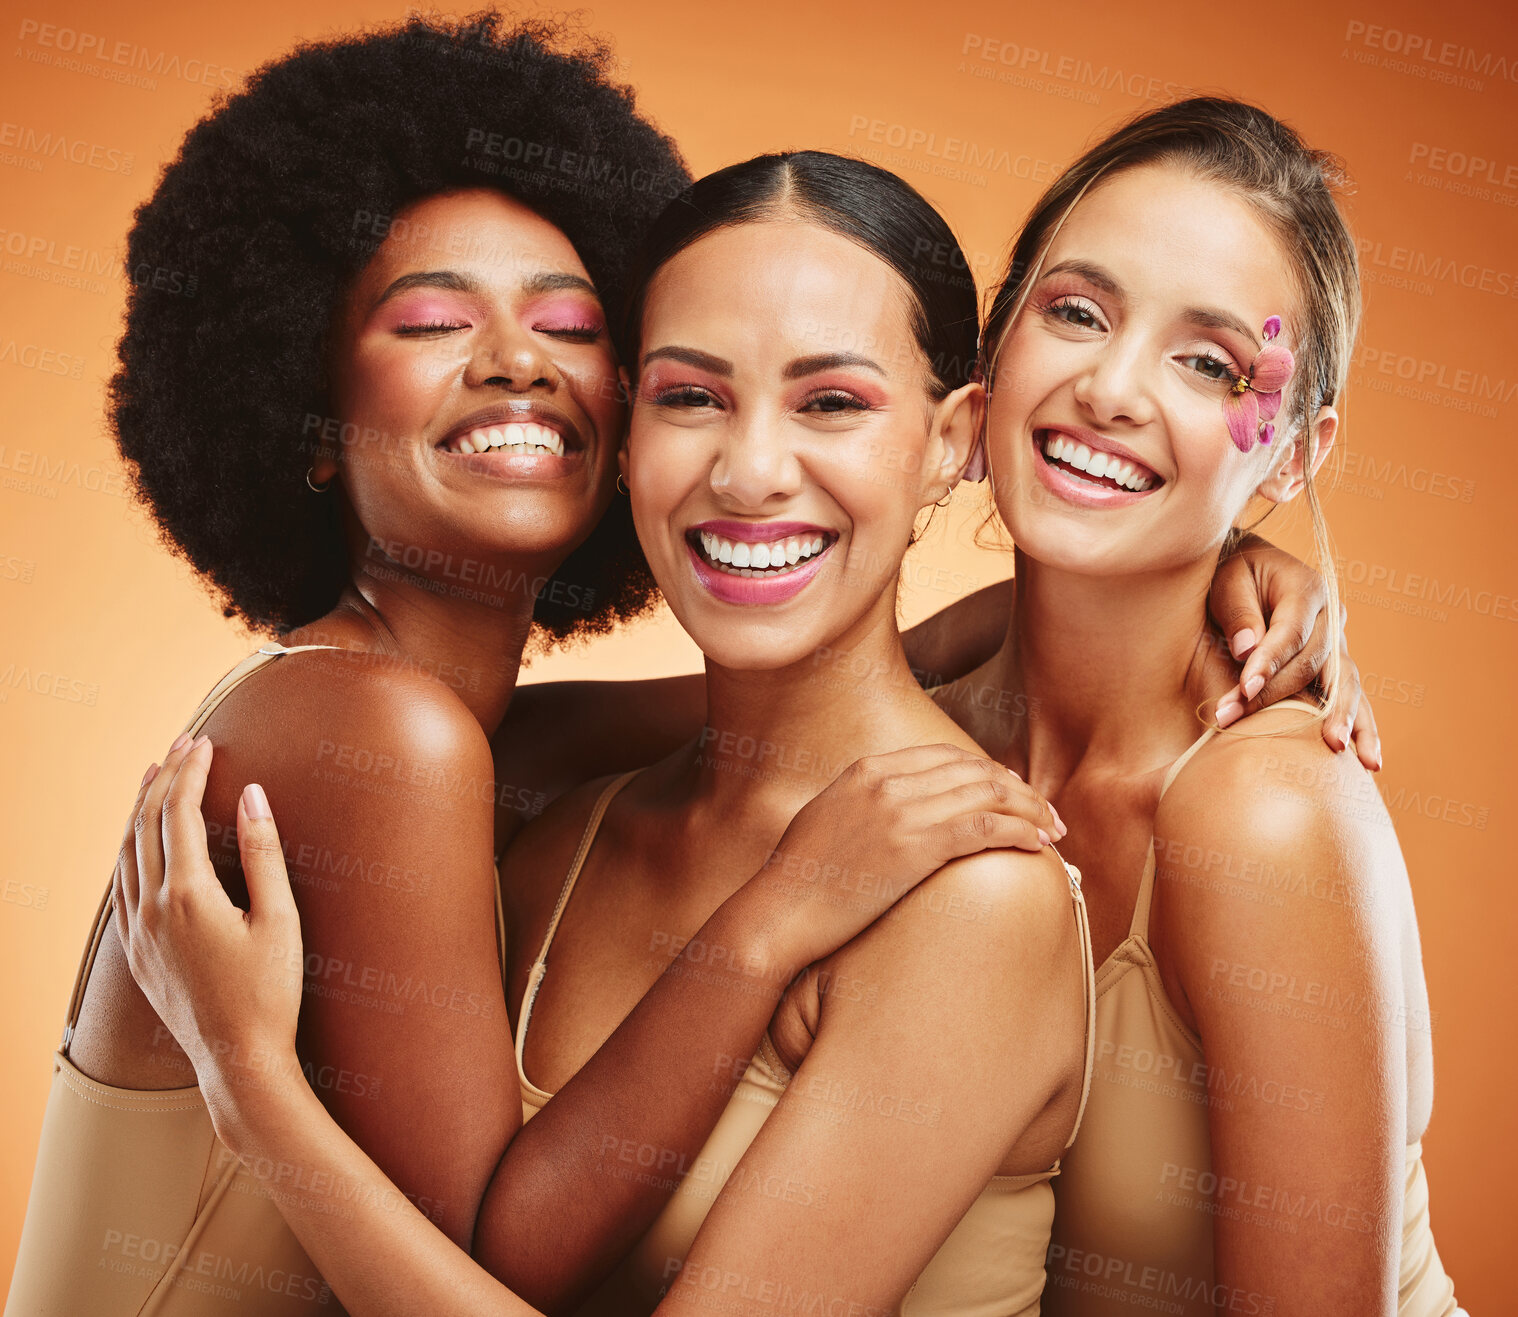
(1003, 920)
(368, 763)
(1271, 849)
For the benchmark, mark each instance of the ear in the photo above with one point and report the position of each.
(954, 439)
(1288, 474)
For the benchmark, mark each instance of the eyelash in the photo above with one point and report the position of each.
(1068, 303)
(434, 327)
(1229, 376)
(586, 333)
(686, 395)
(849, 401)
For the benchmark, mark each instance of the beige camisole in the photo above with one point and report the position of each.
(1134, 1206)
(992, 1262)
(136, 1206)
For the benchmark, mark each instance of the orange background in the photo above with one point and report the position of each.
(106, 643)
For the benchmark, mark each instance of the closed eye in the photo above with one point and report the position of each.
(432, 327)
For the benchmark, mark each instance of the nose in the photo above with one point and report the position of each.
(756, 466)
(1116, 383)
(510, 357)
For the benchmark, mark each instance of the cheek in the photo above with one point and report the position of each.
(383, 380)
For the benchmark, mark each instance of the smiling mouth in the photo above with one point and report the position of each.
(765, 559)
(1098, 469)
(525, 437)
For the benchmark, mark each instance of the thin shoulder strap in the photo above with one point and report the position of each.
(198, 719)
(1139, 926)
(1088, 970)
(1140, 922)
(540, 966)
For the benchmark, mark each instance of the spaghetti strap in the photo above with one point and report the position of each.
(1140, 923)
(540, 966)
(1088, 971)
(203, 711)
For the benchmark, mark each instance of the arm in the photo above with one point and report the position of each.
(974, 1034)
(206, 967)
(382, 778)
(1302, 1000)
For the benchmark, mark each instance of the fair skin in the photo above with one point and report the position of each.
(1108, 350)
(739, 435)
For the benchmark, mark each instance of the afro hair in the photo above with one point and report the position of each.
(275, 202)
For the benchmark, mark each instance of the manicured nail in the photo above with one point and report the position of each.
(1377, 767)
(149, 775)
(1253, 686)
(201, 740)
(1043, 837)
(1241, 642)
(180, 741)
(1058, 822)
(254, 803)
(1228, 711)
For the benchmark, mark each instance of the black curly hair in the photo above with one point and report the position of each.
(275, 202)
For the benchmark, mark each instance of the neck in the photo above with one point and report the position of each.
(1111, 667)
(775, 737)
(475, 649)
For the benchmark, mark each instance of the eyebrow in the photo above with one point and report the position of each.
(1204, 317)
(546, 281)
(794, 370)
(804, 366)
(691, 357)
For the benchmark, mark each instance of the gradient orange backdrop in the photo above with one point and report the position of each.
(106, 643)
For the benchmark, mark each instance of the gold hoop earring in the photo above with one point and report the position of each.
(622, 485)
(315, 488)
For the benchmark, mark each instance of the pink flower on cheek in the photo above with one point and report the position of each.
(1255, 398)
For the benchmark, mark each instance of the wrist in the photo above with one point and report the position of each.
(251, 1091)
(753, 935)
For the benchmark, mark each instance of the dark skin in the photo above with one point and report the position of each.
(425, 680)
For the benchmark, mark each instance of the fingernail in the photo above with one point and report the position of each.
(149, 775)
(1254, 686)
(1043, 837)
(1228, 712)
(201, 740)
(1377, 768)
(1241, 642)
(180, 741)
(254, 803)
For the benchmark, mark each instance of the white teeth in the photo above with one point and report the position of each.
(754, 559)
(1059, 449)
(517, 437)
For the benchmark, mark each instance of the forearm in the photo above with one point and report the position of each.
(586, 1177)
(348, 1214)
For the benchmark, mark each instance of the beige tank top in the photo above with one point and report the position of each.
(136, 1206)
(991, 1264)
(1135, 1204)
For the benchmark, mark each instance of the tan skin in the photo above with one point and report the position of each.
(434, 727)
(747, 438)
(1126, 586)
